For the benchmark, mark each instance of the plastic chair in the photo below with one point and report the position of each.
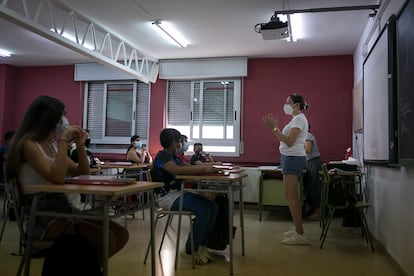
(331, 208)
(169, 214)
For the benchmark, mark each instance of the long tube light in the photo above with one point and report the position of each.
(170, 33)
(4, 53)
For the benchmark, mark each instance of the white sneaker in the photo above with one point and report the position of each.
(290, 232)
(296, 239)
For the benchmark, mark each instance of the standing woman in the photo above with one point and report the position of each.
(36, 157)
(293, 160)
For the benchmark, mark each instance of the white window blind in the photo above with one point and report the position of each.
(207, 112)
(114, 111)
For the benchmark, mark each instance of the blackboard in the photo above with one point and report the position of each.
(379, 99)
(405, 67)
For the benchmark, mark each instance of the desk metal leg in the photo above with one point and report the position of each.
(241, 207)
(152, 240)
(105, 237)
(28, 250)
(231, 212)
(260, 196)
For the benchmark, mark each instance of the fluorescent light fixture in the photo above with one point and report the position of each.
(295, 27)
(4, 53)
(168, 31)
(72, 38)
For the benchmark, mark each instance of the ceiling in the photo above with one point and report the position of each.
(213, 28)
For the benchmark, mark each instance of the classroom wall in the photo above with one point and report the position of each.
(7, 99)
(390, 189)
(325, 82)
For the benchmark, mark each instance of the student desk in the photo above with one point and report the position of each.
(125, 167)
(105, 192)
(272, 193)
(232, 182)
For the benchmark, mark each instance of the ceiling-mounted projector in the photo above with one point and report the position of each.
(275, 29)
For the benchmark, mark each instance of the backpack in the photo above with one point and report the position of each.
(219, 237)
(71, 254)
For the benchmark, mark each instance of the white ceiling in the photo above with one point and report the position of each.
(214, 28)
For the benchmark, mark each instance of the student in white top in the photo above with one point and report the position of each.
(38, 155)
(293, 160)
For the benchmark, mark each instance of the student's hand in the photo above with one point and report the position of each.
(209, 169)
(76, 134)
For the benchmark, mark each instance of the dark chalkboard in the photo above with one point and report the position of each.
(405, 66)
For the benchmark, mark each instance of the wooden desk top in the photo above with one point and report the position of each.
(122, 165)
(104, 190)
(269, 168)
(216, 177)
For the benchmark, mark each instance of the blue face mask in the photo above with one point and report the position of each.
(185, 147)
(180, 149)
(138, 144)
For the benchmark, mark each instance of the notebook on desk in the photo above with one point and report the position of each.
(110, 180)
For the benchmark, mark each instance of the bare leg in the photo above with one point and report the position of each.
(290, 182)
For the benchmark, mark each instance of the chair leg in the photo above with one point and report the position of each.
(365, 229)
(149, 242)
(191, 240)
(169, 219)
(4, 225)
(326, 228)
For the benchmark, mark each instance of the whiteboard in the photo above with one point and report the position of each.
(375, 102)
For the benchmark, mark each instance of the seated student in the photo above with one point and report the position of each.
(200, 157)
(3, 151)
(137, 152)
(184, 141)
(37, 157)
(165, 167)
(73, 153)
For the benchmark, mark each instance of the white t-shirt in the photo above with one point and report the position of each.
(298, 148)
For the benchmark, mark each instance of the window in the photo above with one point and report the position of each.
(114, 111)
(207, 112)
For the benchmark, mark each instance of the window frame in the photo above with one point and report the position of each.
(114, 144)
(212, 145)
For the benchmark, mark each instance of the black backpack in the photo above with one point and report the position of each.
(219, 238)
(71, 254)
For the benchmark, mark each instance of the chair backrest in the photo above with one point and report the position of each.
(16, 195)
(334, 190)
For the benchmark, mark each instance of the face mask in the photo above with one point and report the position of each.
(180, 149)
(62, 126)
(138, 144)
(185, 147)
(65, 122)
(288, 109)
(87, 142)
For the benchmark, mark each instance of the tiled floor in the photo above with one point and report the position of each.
(345, 253)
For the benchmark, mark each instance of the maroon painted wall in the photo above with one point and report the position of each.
(325, 82)
(7, 100)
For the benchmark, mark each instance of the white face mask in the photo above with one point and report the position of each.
(62, 126)
(288, 109)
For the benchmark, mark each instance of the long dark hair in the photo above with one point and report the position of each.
(39, 121)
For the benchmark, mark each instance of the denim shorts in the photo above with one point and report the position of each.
(292, 164)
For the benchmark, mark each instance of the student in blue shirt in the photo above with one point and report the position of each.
(165, 167)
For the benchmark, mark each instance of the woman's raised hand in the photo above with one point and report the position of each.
(270, 120)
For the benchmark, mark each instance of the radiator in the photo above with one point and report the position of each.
(251, 186)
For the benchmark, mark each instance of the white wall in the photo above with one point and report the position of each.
(391, 190)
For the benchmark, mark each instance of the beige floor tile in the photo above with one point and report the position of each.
(345, 253)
